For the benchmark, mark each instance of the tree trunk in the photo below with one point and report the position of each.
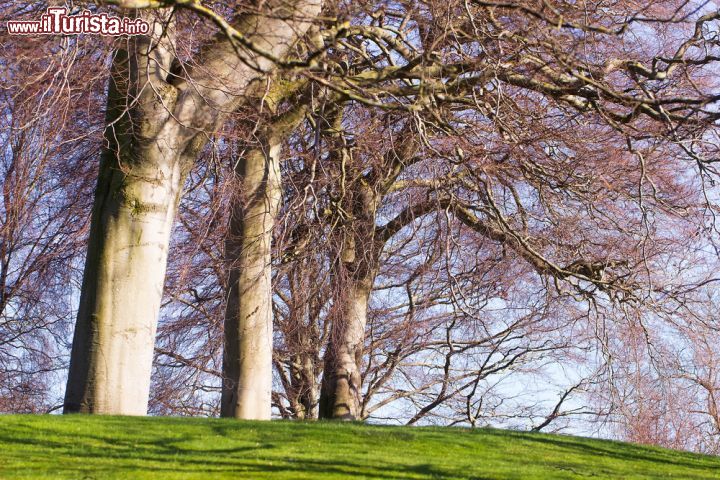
(247, 359)
(354, 275)
(341, 385)
(304, 339)
(138, 187)
(305, 404)
(122, 288)
(248, 347)
(355, 271)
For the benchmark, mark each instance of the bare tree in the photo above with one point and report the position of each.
(46, 147)
(158, 119)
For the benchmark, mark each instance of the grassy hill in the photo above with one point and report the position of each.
(82, 447)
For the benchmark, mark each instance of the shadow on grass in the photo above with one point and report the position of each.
(77, 447)
(619, 451)
(89, 455)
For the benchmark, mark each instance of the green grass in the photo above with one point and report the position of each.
(83, 447)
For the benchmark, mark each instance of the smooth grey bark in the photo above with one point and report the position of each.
(248, 342)
(356, 269)
(341, 397)
(157, 123)
(247, 356)
(138, 187)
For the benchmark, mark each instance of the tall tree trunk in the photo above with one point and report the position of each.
(122, 288)
(341, 385)
(138, 187)
(354, 276)
(355, 270)
(248, 345)
(247, 359)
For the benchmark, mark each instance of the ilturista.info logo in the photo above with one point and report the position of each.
(57, 21)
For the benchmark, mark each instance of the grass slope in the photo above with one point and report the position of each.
(83, 447)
